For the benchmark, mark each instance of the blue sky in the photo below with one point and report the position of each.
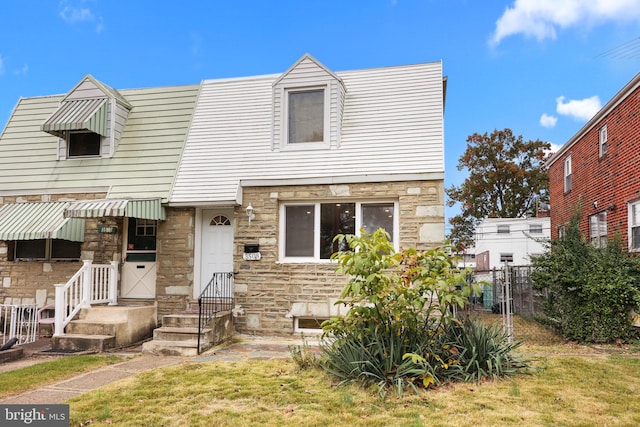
(539, 67)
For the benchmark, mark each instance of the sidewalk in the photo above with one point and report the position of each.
(242, 347)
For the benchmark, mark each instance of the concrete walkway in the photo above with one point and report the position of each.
(241, 348)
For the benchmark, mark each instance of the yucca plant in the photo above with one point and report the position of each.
(482, 351)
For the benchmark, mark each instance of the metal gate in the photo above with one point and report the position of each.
(18, 321)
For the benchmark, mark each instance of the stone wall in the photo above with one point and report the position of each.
(270, 294)
(29, 282)
(175, 245)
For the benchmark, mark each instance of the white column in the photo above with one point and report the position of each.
(113, 283)
(58, 329)
(87, 284)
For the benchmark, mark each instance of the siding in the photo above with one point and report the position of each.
(392, 124)
(143, 164)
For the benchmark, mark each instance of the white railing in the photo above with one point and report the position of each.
(92, 284)
(18, 321)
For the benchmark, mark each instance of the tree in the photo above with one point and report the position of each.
(507, 179)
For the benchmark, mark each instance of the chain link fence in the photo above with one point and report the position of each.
(509, 298)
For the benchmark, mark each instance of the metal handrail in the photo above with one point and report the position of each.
(217, 296)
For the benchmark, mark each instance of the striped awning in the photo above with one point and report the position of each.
(90, 114)
(39, 220)
(132, 208)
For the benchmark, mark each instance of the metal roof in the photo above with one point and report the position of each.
(133, 208)
(39, 220)
(79, 114)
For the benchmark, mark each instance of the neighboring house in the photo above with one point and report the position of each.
(511, 240)
(250, 177)
(87, 176)
(596, 173)
(276, 166)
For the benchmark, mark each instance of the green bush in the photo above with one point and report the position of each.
(401, 308)
(591, 291)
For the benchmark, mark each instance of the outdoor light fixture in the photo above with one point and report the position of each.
(250, 213)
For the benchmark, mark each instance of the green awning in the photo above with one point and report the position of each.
(132, 208)
(39, 220)
(90, 114)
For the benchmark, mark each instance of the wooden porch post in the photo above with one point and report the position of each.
(58, 329)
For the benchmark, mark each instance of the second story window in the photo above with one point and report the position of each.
(535, 228)
(567, 174)
(603, 140)
(306, 116)
(83, 144)
(598, 229)
(503, 229)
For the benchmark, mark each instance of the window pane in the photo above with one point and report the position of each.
(299, 222)
(535, 228)
(65, 249)
(84, 144)
(635, 238)
(503, 229)
(335, 218)
(306, 116)
(142, 235)
(31, 249)
(378, 215)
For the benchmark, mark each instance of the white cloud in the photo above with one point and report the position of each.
(579, 109)
(554, 148)
(548, 121)
(1, 65)
(72, 14)
(541, 18)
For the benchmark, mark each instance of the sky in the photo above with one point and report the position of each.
(539, 67)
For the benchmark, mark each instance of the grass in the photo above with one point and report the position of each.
(569, 385)
(30, 377)
(568, 391)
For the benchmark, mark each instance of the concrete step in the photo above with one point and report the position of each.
(181, 320)
(173, 348)
(82, 342)
(93, 327)
(170, 333)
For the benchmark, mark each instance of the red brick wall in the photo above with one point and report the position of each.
(612, 180)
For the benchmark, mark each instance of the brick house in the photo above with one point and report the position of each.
(596, 173)
(244, 176)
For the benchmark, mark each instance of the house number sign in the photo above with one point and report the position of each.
(251, 256)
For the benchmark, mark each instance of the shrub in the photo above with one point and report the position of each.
(401, 306)
(591, 291)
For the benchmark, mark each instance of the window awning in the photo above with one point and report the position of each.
(39, 220)
(90, 114)
(132, 208)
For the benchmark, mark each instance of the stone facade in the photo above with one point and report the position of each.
(29, 282)
(270, 294)
(175, 245)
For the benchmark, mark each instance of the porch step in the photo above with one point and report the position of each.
(93, 327)
(171, 348)
(186, 320)
(170, 333)
(83, 342)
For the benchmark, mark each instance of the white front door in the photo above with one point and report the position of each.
(217, 244)
(139, 271)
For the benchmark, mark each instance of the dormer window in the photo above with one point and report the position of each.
(306, 115)
(83, 144)
(308, 104)
(88, 121)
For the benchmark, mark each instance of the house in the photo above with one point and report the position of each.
(596, 173)
(509, 240)
(275, 166)
(86, 176)
(244, 181)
